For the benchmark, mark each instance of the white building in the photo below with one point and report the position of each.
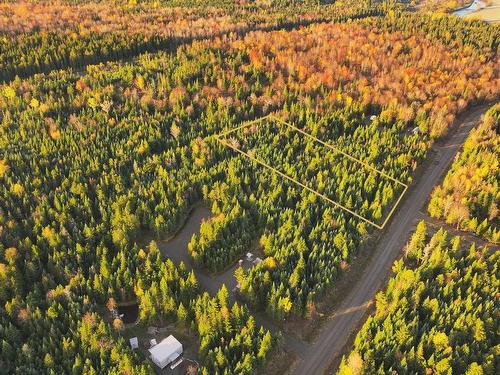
(166, 351)
(134, 343)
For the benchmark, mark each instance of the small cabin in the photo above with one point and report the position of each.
(134, 343)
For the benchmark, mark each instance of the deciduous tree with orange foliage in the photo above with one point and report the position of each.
(470, 196)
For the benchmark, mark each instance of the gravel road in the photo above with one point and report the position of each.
(335, 334)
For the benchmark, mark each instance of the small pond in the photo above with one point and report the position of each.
(130, 313)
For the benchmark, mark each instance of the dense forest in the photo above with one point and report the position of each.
(91, 160)
(45, 35)
(437, 314)
(470, 194)
(230, 341)
(321, 168)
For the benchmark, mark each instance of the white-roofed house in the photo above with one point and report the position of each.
(166, 351)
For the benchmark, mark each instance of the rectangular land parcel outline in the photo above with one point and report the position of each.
(222, 139)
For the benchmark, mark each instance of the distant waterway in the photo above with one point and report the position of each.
(487, 11)
(476, 5)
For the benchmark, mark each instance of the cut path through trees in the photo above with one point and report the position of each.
(452, 230)
(336, 332)
(176, 248)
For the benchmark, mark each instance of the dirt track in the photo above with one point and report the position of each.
(335, 334)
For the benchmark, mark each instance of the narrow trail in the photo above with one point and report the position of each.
(470, 237)
(336, 332)
(176, 248)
